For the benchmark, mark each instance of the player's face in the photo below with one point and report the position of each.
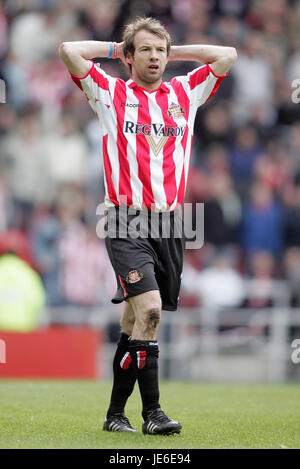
(149, 60)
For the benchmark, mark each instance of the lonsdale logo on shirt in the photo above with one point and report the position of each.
(154, 130)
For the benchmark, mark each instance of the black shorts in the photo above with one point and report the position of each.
(147, 262)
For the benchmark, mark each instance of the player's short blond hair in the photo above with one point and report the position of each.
(148, 24)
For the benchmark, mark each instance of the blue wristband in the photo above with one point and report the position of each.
(111, 50)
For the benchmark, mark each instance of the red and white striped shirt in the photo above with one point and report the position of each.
(147, 134)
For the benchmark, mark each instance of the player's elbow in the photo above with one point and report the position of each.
(226, 60)
(231, 54)
(64, 50)
(70, 54)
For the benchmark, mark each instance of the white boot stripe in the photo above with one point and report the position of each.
(117, 426)
(152, 425)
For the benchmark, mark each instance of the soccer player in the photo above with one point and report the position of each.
(148, 128)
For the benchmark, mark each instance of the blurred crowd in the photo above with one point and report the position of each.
(245, 158)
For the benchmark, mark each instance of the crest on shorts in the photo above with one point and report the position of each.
(134, 276)
(176, 111)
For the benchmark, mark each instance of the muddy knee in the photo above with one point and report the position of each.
(152, 319)
(147, 312)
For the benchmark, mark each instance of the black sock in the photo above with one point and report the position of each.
(125, 375)
(146, 353)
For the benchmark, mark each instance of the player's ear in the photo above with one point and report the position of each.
(128, 58)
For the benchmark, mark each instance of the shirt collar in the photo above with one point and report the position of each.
(162, 87)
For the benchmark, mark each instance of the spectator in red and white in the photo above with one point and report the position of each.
(71, 259)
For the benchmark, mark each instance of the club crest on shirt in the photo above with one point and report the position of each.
(134, 276)
(176, 111)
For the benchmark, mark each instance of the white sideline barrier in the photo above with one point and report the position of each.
(239, 345)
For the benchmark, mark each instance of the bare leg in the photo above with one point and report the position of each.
(147, 313)
(127, 319)
(124, 374)
(140, 320)
(144, 348)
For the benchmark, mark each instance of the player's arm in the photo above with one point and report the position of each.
(220, 58)
(76, 55)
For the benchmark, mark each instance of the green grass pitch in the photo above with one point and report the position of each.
(69, 414)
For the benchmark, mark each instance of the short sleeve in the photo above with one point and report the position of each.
(96, 85)
(201, 84)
